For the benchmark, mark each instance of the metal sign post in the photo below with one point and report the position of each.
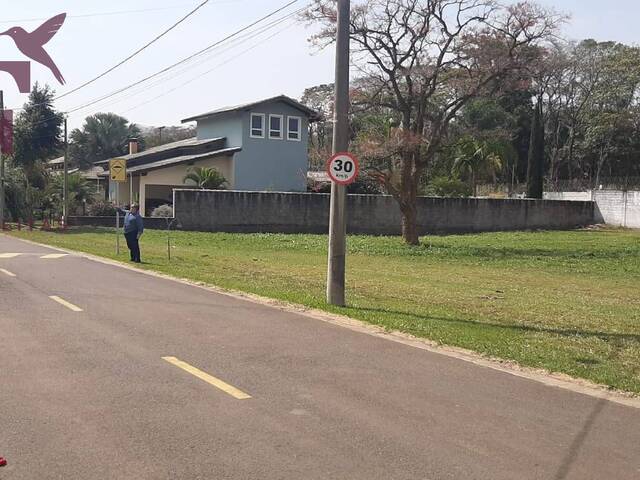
(118, 174)
(1, 161)
(65, 191)
(117, 219)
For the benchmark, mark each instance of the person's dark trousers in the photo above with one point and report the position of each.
(134, 246)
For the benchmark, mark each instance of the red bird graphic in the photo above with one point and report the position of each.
(32, 44)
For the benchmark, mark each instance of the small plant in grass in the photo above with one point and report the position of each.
(166, 212)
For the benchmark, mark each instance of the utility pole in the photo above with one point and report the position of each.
(1, 161)
(337, 220)
(160, 134)
(65, 193)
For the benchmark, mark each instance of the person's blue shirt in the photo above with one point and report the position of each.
(133, 223)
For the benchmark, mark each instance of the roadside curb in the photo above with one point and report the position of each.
(557, 380)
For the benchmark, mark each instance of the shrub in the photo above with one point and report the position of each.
(163, 211)
(448, 187)
(366, 185)
(101, 208)
(363, 185)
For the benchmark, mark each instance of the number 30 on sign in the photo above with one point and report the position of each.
(343, 168)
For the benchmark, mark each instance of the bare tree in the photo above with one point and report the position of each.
(423, 61)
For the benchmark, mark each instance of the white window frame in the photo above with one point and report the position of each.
(281, 137)
(299, 131)
(264, 126)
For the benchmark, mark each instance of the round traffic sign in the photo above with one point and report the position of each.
(343, 168)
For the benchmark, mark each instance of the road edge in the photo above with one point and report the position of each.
(552, 379)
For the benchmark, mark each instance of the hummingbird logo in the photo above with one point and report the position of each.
(32, 44)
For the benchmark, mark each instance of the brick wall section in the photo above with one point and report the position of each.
(229, 211)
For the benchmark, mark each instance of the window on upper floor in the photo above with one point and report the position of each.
(275, 127)
(294, 128)
(257, 125)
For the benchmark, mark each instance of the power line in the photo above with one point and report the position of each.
(213, 53)
(180, 62)
(246, 38)
(144, 47)
(154, 40)
(199, 53)
(106, 14)
(209, 71)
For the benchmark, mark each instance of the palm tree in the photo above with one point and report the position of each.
(206, 178)
(81, 191)
(103, 135)
(476, 158)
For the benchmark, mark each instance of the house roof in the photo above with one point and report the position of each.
(312, 114)
(170, 162)
(186, 144)
(93, 173)
(56, 161)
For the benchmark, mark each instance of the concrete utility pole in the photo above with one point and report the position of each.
(65, 193)
(1, 163)
(337, 220)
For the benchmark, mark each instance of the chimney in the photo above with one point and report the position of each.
(133, 146)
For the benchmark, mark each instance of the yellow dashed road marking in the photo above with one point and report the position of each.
(70, 306)
(53, 256)
(216, 382)
(9, 255)
(7, 272)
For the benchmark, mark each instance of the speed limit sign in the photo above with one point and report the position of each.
(343, 168)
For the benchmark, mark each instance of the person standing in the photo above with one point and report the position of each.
(133, 229)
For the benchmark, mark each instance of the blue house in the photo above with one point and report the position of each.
(273, 138)
(259, 146)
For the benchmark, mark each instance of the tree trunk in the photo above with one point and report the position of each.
(535, 171)
(410, 223)
(408, 201)
(474, 185)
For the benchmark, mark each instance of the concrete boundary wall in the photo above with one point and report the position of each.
(614, 207)
(150, 223)
(275, 212)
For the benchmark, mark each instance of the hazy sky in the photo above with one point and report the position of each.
(258, 68)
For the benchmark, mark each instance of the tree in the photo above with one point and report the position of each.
(103, 136)
(81, 191)
(320, 98)
(37, 134)
(424, 60)
(497, 125)
(590, 93)
(206, 178)
(535, 175)
(15, 193)
(476, 158)
(154, 136)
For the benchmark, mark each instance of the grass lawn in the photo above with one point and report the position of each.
(564, 301)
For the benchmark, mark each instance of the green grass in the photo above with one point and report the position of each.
(564, 301)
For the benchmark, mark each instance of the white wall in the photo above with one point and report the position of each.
(614, 207)
(571, 196)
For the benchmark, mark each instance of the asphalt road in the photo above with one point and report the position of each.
(88, 394)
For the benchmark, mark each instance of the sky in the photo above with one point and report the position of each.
(97, 35)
